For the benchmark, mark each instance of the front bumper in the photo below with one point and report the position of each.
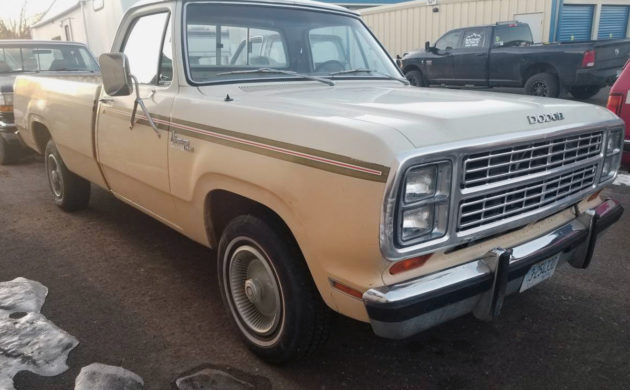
(479, 286)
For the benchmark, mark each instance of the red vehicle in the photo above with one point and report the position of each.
(619, 103)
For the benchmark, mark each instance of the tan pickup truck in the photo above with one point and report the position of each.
(282, 134)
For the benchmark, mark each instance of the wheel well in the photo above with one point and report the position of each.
(223, 206)
(41, 136)
(538, 68)
(409, 68)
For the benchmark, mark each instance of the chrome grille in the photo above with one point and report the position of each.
(502, 204)
(516, 161)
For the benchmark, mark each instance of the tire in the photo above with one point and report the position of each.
(70, 192)
(268, 291)
(585, 92)
(542, 84)
(416, 78)
(9, 153)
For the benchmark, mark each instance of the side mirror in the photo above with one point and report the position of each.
(427, 46)
(117, 79)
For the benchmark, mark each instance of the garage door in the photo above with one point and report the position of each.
(576, 23)
(613, 22)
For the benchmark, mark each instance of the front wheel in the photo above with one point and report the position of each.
(584, 92)
(415, 78)
(543, 84)
(268, 291)
(70, 192)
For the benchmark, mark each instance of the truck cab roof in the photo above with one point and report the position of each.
(303, 3)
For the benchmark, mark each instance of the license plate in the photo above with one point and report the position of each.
(539, 272)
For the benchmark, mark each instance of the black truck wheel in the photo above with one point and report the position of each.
(415, 78)
(70, 192)
(9, 152)
(584, 92)
(542, 84)
(269, 292)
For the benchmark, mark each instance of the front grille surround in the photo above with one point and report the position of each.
(456, 153)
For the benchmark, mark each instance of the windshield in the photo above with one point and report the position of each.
(223, 39)
(42, 58)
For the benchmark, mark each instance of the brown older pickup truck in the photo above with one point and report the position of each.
(281, 133)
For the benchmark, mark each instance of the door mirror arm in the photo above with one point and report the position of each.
(140, 102)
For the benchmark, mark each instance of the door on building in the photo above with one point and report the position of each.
(613, 22)
(575, 23)
(535, 22)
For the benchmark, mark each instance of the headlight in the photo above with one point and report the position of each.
(6, 102)
(424, 202)
(612, 156)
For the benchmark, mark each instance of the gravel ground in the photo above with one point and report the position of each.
(137, 294)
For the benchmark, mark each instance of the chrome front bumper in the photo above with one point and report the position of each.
(479, 286)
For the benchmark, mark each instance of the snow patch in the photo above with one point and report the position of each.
(99, 376)
(21, 295)
(30, 342)
(622, 179)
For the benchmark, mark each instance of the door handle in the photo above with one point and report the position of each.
(106, 100)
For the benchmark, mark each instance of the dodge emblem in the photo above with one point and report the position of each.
(544, 118)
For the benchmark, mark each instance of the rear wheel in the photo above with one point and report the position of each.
(415, 78)
(70, 192)
(585, 92)
(543, 84)
(9, 153)
(268, 291)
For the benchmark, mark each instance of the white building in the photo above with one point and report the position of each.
(93, 22)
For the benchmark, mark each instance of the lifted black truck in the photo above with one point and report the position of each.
(504, 55)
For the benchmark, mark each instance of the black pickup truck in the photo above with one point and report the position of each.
(504, 55)
(53, 58)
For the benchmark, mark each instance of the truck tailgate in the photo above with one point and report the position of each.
(611, 54)
(66, 105)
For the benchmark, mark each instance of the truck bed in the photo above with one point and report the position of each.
(65, 107)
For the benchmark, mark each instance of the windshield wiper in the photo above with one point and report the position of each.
(375, 72)
(280, 71)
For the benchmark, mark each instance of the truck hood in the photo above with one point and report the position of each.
(426, 116)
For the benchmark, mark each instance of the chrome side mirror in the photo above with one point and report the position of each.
(117, 79)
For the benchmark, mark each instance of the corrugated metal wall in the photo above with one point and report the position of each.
(406, 26)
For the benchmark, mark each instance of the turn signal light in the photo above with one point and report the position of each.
(6, 108)
(409, 264)
(347, 290)
(588, 61)
(615, 102)
(595, 195)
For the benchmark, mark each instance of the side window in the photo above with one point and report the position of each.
(450, 41)
(475, 38)
(143, 47)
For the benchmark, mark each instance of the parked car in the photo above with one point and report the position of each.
(619, 103)
(33, 57)
(503, 55)
(325, 181)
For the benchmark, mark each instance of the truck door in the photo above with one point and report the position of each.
(470, 61)
(440, 68)
(134, 158)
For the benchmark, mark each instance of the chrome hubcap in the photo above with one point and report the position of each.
(254, 290)
(54, 176)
